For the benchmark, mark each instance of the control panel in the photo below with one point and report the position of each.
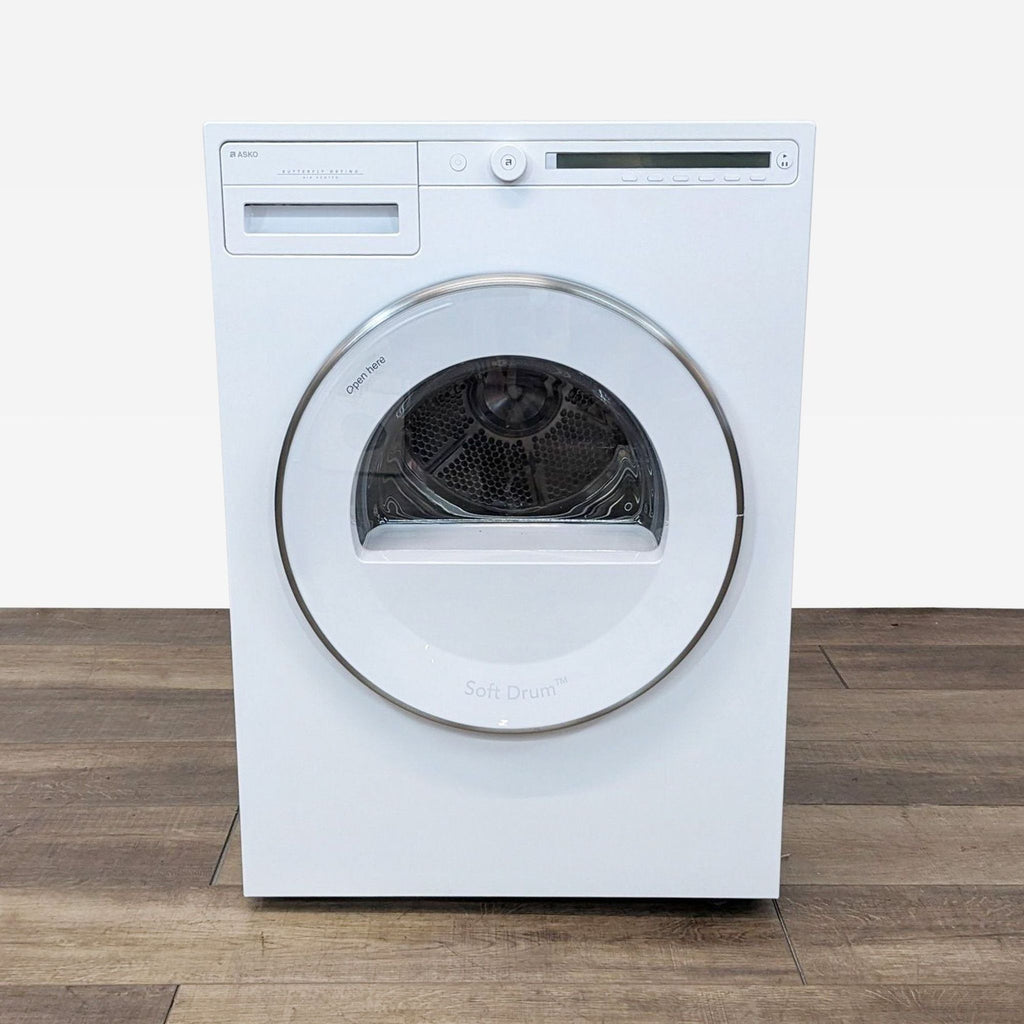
(362, 198)
(722, 162)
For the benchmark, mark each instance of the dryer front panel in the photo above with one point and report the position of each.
(509, 503)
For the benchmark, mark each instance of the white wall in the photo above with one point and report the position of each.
(911, 481)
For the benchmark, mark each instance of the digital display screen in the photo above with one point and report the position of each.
(608, 161)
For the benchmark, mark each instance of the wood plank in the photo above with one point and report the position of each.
(82, 714)
(111, 846)
(930, 667)
(85, 1004)
(903, 845)
(518, 1003)
(934, 715)
(229, 871)
(114, 626)
(811, 626)
(214, 934)
(908, 626)
(889, 935)
(209, 667)
(110, 666)
(102, 774)
(904, 772)
(809, 670)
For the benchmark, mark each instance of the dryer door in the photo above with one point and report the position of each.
(509, 503)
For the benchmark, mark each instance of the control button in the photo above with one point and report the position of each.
(508, 163)
(759, 177)
(629, 177)
(732, 177)
(655, 177)
(705, 177)
(784, 159)
(457, 162)
(680, 177)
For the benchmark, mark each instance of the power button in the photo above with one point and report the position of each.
(508, 163)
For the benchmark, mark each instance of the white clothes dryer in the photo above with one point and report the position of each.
(510, 419)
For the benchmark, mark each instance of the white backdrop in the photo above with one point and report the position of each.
(911, 480)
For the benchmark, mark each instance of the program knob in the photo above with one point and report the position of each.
(508, 163)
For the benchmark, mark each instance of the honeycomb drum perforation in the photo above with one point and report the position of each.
(508, 437)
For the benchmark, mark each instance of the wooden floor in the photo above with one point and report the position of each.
(903, 862)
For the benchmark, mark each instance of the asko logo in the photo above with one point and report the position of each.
(243, 153)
